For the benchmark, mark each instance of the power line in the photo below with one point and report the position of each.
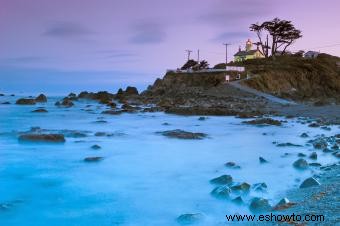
(326, 46)
(226, 53)
(188, 52)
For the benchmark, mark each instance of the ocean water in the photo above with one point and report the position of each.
(144, 178)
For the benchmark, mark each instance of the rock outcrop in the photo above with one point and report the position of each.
(26, 101)
(181, 134)
(52, 138)
(41, 99)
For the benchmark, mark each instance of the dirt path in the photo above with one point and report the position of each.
(269, 97)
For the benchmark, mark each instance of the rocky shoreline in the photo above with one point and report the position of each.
(319, 200)
(194, 96)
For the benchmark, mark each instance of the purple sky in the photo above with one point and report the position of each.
(134, 41)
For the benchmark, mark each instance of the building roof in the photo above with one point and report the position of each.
(311, 52)
(246, 53)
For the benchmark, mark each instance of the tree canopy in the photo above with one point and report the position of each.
(189, 64)
(282, 34)
(193, 64)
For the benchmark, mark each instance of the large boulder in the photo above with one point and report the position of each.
(320, 143)
(259, 205)
(283, 204)
(221, 192)
(241, 187)
(300, 164)
(72, 96)
(67, 102)
(52, 138)
(25, 101)
(310, 182)
(41, 98)
(131, 90)
(264, 122)
(224, 179)
(261, 187)
(103, 97)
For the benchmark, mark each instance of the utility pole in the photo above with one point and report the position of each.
(188, 52)
(198, 56)
(226, 53)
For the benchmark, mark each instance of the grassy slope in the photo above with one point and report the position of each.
(296, 78)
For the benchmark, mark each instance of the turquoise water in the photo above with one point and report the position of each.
(144, 178)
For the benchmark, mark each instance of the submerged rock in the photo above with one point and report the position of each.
(100, 121)
(25, 101)
(326, 128)
(320, 144)
(264, 121)
(301, 155)
(41, 98)
(112, 104)
(39, 110)
(241, 187)
(288, 144)
(74, 133)
(6, 102)
(93, 159)
(129, 108)
(259, 205)
(314, 125)
(112, 112)
(337, 154)
(221, 192)
(300, 164)
(96, 147)
(313, 155)
(262, 187)
(232, 165)
(238, 200)
(103, 134)
(190, 218)
(181, 134)
(335, 147)
(304, 135)
(310, 182)
(326, 150)
(224, 179)
(314, 164)
(54, 138)
(262, 160)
